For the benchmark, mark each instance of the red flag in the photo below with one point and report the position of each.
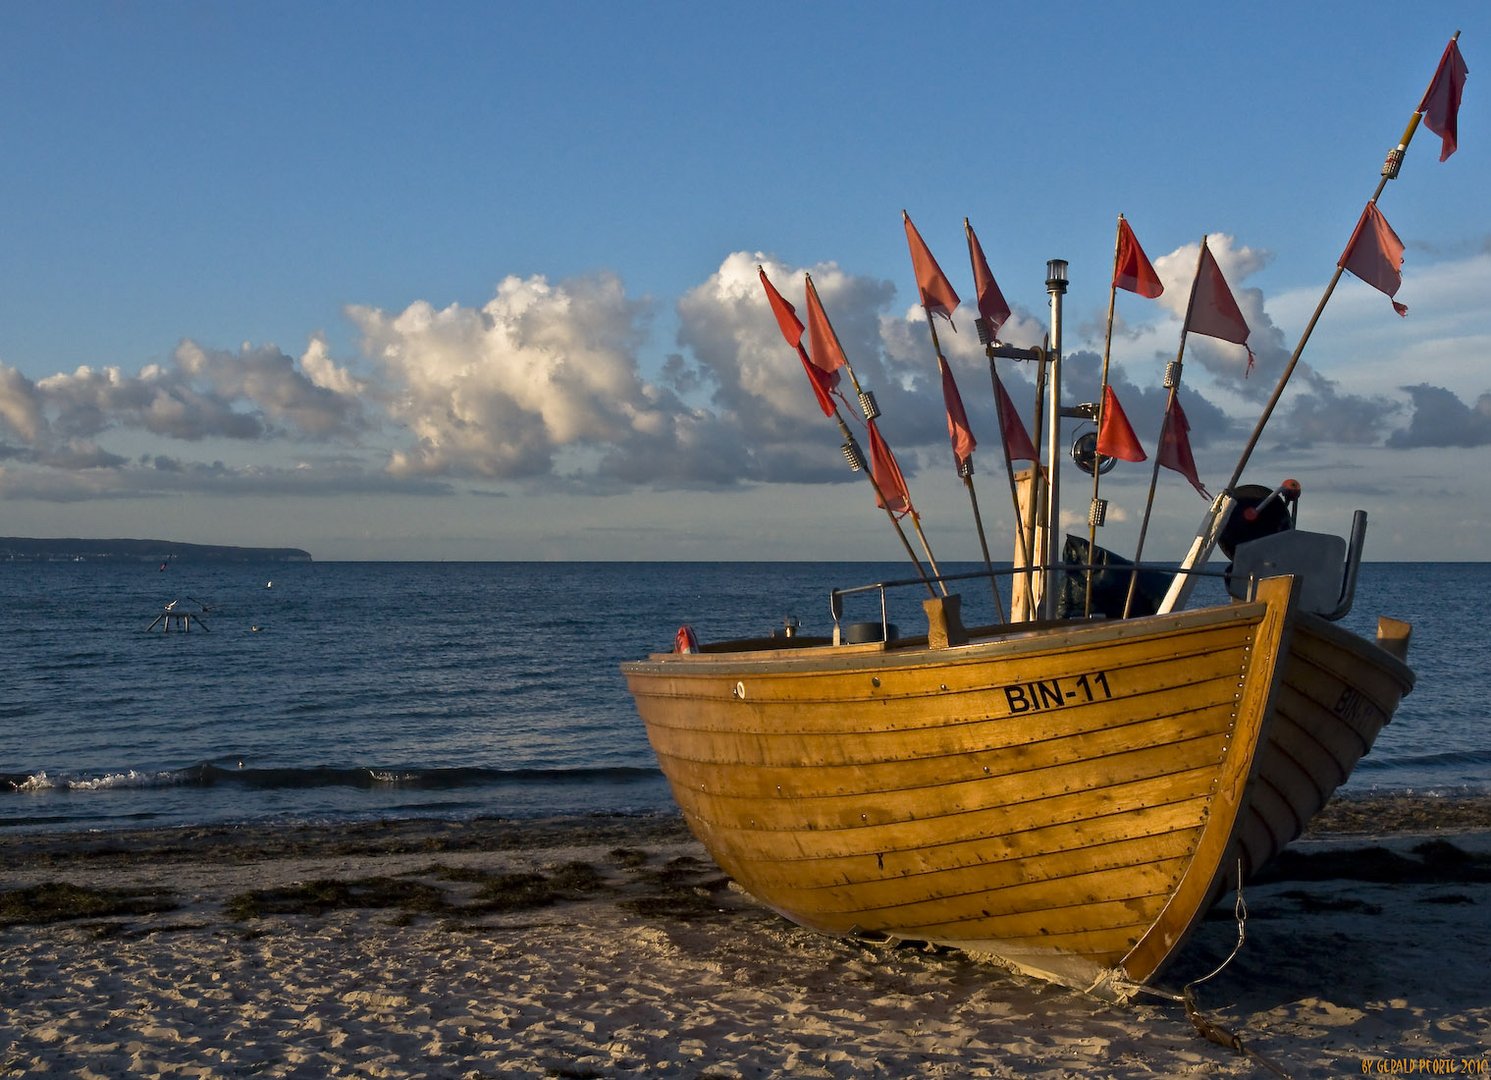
(1214, 312)
(1375, 254)
(1441, 104)
(1175, 447)
(1017, 444)
(957, 419)
(786, 314)
(822, 382)
(1116, 438)
(893, 494)
(937, 294)
(1132, 269)
(828, 354)
(992, 307)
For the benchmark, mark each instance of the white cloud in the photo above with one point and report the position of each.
(549, 384)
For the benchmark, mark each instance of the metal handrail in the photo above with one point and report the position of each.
(835, 596)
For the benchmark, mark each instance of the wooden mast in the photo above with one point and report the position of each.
(1097, 458)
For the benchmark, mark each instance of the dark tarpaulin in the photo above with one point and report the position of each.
(1110, 584)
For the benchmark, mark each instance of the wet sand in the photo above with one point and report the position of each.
(612, 947)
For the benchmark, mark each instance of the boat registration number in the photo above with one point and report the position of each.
(1057, 693)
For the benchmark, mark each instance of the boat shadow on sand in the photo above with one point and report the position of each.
(1349, 932)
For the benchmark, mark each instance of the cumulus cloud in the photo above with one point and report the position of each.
(1318, 412)
(550, 384)
(1442, 419)
(200, 394)
(755, 385)
(541, 377)
(313, 398)
(1224, 361)
(255, 395)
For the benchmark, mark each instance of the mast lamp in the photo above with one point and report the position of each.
(1056, 275)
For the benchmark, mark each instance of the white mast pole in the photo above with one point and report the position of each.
(1056, 282)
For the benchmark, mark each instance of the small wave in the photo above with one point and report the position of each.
(1420, 761)
(130, 778)
(210, 775)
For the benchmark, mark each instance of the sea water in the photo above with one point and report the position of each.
(323, 692)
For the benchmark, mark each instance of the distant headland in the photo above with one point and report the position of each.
(70, 549)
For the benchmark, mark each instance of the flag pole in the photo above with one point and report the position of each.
(871, 410)
(916, 523)
(965, 470)
(1206, 537)
(1038, 475)
(792, 329)
(1023, 549)
(993, 311)
(1094, 513)
(1390, 169)
(1172, 382)
(856, 459)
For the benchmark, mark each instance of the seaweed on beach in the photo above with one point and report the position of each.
(524, 891)
(495, 893)
(679, 889)
(1311, 904)
(1437, 861)
(61, 901)
(228, 844)
(325, 895)
(629, 858)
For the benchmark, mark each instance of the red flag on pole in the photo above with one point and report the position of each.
(1375, 254)
(1214, 312)
(1441, 104)
(823, 382)
(1132, 269)
(992, 307)
(957, 418)
(937, 294)
(1116, 438)
(1175, 447)
(1017, 444)
(828, 354)
(893, 493)
(786, 314)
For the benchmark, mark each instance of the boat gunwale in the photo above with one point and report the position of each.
(1016, 641)
(1367, 651)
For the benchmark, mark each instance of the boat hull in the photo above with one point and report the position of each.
(1338, 693)
(1065, 800)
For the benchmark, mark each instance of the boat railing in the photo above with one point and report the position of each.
(887, 629)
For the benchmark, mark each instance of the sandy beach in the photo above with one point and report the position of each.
(612, 947)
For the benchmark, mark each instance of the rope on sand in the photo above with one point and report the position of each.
(1208, 1028)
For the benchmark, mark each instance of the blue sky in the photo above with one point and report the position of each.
(476, 281)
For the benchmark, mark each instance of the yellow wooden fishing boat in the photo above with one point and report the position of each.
(1067, 799)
